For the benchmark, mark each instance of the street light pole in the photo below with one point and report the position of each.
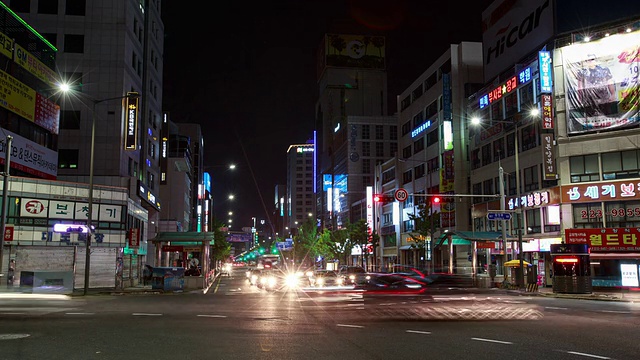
(519, 223)
(90, 209)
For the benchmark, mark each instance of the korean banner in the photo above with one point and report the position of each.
(601, 83)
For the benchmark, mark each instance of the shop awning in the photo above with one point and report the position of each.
(184, 238)
(465, 237)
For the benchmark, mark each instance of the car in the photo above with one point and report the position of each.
(325, 278)
(353, 275)
(393, 284)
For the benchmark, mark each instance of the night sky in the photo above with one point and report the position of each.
(246, 73)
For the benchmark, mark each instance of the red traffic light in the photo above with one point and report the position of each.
(377, 198)
(436, 200)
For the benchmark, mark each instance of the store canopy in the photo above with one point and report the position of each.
(184, 237)
(466, 237)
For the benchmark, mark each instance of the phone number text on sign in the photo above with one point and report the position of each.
(620, 212)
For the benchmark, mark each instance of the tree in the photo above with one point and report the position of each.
(359, 234)
(221, 249)
(341, 244)
(425, 223)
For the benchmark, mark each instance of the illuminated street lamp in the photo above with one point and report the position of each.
(533, 113)
(94, 102)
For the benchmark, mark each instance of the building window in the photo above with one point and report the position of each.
(366, 166)
(533, 222)
(366, 181)
(418, 145)
(418, 119)
(74, 43)
(531, 181)
(366, 132)
(433, 165)
(432, 137)
(587, 216)
(48, 7)
(407, 177)
(406, 128)
(21, 6)
(620, 165)
(431, 110)
(75, 7)
(393, 132)
(379, 132)
(486, 155)
(419, 170)
(69, 119)
(366, 149)
(584, 168)
(406, 152)
(498, 149)
(393, 148)
(68, 158)
(379, 149)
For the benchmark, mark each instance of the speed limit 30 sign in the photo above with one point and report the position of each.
(401, 195)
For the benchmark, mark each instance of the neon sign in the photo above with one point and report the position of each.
(499, 92)
(421, 128)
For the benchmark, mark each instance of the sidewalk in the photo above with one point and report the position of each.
(599, 294)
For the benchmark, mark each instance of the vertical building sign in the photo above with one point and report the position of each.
(446, 97)
(547, 111)
(549, 161)
(370, 209)
(544, 64)
(134, 237)
(164, 149)
(131, 127)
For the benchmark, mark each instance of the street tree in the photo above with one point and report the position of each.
(426, 221)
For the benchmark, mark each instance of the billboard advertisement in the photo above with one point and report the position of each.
(601, 83)
(510, 29)
(352, 51)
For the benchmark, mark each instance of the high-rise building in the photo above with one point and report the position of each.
(299, 203)
(107, 50)
(354, 131)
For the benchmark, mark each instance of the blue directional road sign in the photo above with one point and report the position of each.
(498, 216)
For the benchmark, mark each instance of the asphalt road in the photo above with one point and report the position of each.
(234, 320)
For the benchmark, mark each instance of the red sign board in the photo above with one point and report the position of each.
(605, 240)
(172, 248)
(8, 232)
(134, 237)
(485, 245)
(547, 111)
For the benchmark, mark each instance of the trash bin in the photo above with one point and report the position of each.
(167, 278)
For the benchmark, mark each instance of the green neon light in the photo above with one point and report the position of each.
(28, 26)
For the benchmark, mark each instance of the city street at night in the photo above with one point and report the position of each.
(235, 320)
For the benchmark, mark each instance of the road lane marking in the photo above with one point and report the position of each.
(615, 311)
(213, 316)
(350, 326)
(79, 313)
(419, 332)
(493, 341)
(145, 314)
(555, 308)
(587, 355)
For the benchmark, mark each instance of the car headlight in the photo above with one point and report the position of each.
(309, 273)
(339, 281)
(271, 281)
(292, 280)
(352, 277)
(320, 281)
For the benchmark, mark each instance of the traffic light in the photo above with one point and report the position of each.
(382, 199)
(436, 200)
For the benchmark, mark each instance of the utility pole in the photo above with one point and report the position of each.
(5, 195)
